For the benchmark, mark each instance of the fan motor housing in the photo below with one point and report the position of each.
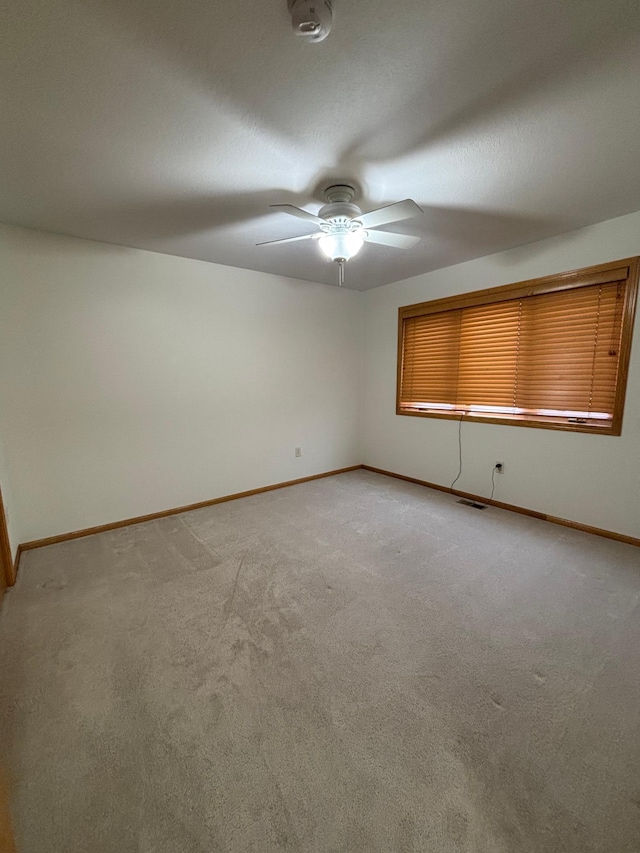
(339, 209)
(339, 203)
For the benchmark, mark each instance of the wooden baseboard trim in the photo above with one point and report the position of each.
(597, 531)
(16, 562)
(114, 525)
(102, 528)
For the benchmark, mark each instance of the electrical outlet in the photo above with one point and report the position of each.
(499, 467)
(298, 451)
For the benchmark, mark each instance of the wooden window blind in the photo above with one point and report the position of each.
(553, 352)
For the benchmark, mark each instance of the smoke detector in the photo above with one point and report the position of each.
(311, 19)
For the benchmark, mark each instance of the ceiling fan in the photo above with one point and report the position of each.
(344, 228)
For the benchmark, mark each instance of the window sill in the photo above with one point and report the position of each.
(593, 427)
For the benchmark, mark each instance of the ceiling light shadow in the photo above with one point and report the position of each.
(177, 217)
(503, 69)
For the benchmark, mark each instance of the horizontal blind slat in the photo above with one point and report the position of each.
(555, 350)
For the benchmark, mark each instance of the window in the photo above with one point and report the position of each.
(552, 352)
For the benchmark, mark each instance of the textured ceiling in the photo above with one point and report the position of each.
(171, 126)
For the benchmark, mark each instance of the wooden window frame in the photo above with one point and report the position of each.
(626, 270)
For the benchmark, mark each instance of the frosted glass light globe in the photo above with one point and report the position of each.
(342, 246)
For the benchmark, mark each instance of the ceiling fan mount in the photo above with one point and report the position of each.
(339, 192)
(344, 228)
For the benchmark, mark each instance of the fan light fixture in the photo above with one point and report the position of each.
(342, 246)
(344, 227)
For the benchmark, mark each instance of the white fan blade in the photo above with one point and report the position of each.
(391, 213)
(292, 210)
(398, 241)
(290, 239)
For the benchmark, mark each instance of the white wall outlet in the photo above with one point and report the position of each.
(298, 451)
(499, 467)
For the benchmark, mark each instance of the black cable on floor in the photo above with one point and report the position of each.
(460, 450)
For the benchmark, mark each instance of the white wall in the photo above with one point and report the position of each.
(133, 382)
(592, 479)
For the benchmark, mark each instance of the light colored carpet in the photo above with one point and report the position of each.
(351, 665)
